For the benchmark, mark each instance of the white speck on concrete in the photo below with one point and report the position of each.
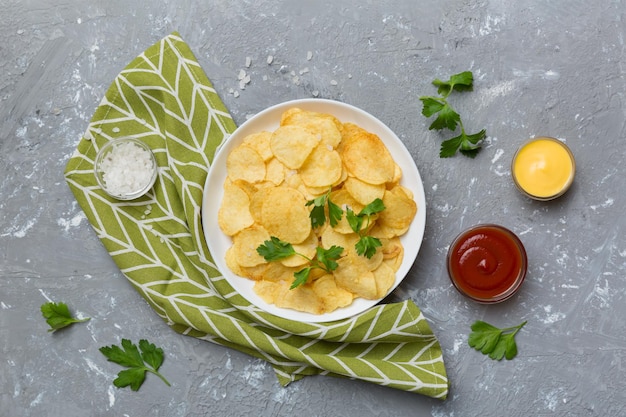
(111, 394)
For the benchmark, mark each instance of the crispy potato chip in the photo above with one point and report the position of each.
(273, 271)
(234, 213)
(363, 192)
(331, 237)
(399, 210)
(367, 158)
(322, 168)
(306, 248)
(260, 142)
(332, 296)
(231, 261)
(274, 171)
(323, 124)
(393, 252)
(302, 298)
(385, 277)
(344, 200)
(292, 145)
(246, 242)
(244, 163)
(284, 214)
(397, 174)
(353, 275)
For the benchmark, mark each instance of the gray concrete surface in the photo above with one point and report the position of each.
(542, 67)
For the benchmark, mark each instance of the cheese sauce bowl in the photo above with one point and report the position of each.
(125, 168)
(543, 168)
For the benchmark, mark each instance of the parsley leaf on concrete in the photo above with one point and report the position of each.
(139, 360)
(447, 118)
(492, 341)
(58, 316)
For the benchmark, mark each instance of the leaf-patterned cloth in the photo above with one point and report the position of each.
(164, 98)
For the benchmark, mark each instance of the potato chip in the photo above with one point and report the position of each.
(385, 278)
(292, 145)
(244, 163)
(231, 261)
(274, 171)
(306, 248)
(399, 209)
(344, 200)
(246, 242)
(273, 271)
(328, 127)
(234, 213)
(367, 158)
(363, 192)
(353, 275)
(260, 142)
(284, 214)
(331, 237)
(301, 298)
(393, 252)
(332, 296)
(322, 168)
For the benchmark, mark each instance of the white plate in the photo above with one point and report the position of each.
(269, 120)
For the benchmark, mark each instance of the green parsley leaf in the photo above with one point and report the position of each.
(318, 214)
(460, 82)
(495, 342)
(447, 118)
(355, 221)
(334, 213)
(58, 316)
(301, 277)
(328, 257)
(374, 207)
(367, 246)
(145, 358)
(275, 249)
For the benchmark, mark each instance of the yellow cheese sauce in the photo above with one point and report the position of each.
(543, 168)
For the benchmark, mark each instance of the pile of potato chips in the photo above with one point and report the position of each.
(272, 175)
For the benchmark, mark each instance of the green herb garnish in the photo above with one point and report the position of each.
(495, 342)
(366, 245)
(58, 316)
(325, 259)
(447, 118)
(318, 214)
(146, 358)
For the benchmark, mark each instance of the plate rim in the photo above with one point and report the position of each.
(209, 211)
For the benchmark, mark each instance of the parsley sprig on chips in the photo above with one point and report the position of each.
(447, 118)
(318, 213)
(325, 259)
(366, 246)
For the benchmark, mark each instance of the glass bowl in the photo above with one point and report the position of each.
(543, 168)
(125, 168)
(487, 263)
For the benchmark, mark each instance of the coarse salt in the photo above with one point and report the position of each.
(127, 169)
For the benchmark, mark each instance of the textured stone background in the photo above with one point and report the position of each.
(542, 67)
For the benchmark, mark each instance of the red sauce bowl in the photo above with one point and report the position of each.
(487, 263)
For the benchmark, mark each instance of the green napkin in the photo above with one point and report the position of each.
(164, 98)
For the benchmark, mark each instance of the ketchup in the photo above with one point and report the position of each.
(487, 263)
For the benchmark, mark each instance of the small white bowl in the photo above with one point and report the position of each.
(125, 168)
